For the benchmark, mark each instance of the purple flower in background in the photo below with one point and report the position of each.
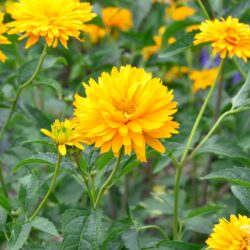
(207, 61)
(236, 78)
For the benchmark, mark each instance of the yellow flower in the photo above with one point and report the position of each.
(95, 32)
(64, 134)
(52, 19)
(120, 18)
(193, 27)
(230, 235)
(126, 108)
(3, 39)
(226, 36)
(175, 72)
(171, 40)
(158, 189)
(148, 51)
(203, 78)
(179, 13)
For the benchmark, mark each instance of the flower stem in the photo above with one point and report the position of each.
(185, 154)
(50, 188)
(203, 9)
(20, 90)
(108, 181)
(154, 227)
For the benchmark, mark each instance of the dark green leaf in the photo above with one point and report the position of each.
(184, 42)
(50, 83)
(238, 9)
(177, 245)
(19, 236)
(3, 218)
(26, 71)
(236, 175)
(203, 210)
(4, 202)
(243, 194)
(82, 230)
(44, 225)
(224, 147)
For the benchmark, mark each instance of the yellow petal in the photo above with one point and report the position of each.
(62, 149)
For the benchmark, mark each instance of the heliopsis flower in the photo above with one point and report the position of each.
(3, 39)
(203, 78)
(179, 13)
(227, 36)
(114, 17)
(175, 72)
(230, 235)
(55, 20)
(64, 134)
(95, 32)
(193, 27)
(148, 51)
(126, 108)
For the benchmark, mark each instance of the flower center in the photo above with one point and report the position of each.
(126, 107)
(232, 36)
(61, 134)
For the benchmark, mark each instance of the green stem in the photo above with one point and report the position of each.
(20, 90)
(50, 188)
(154, 227)
(242, 72)
(185, 154)
(107, 183)
(203, 9)
(3, 182)
(93, 187)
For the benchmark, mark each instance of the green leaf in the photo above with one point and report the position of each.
(51, 61)
(19, 236)
(203, 210)
(224, 147)
(82, 230)
(44, 225)
(238, 9)
(177, 245)
(130, 240)
(50, 83)
(184, 42)
(243, 194)
(236, 175)
(46, 159)
(242, 98)
(4, 202)
(103, 160)
(3, 218)
(26, 70)
(27, 192)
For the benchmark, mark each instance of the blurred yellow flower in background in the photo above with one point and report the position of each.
(64, 134)
(179, 13)
(55, 20)
(148, 51)
(114, 17)
(171, 40)
(126, 108)
(203, 78)
(232, 235)
(193, 27)
(175, 72)
(3, 39)
(95, 32)
(227, 36)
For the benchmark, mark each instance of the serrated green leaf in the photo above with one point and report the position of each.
(131, 240)
(50, 83)
(44, 225)
(243, 195)
(177, 245)
(19, 236)
(242, 98)
(236, 175)
(224, 147)
(82, 230)
(184, 42)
